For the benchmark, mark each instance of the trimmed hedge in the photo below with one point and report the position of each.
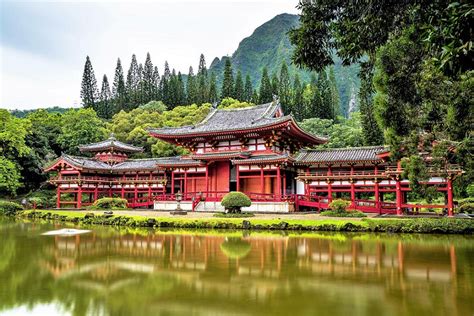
(349, 213)
(109, 204)
(234, 201)
(339, 206)
(9, 208)
(415, 225)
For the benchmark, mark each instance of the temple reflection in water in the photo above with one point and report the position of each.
(271, 274)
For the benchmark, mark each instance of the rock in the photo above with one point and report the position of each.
(246, 224)
(108, 213)
(462, 215)
(151, 222)
(89, 215)
(283, 225)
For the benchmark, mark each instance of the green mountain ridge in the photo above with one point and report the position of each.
(269, 45)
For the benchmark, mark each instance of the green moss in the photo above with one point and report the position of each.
(418, 225)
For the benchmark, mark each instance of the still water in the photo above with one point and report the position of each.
(138, 272)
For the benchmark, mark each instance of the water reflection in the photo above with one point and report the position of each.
(145, 273)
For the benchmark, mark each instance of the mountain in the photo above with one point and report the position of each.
(269, 46)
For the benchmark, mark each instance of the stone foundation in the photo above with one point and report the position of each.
(256, 207)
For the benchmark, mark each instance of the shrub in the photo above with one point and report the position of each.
(109, 204)
(351, 213)
(234, 215)
(42, 198)
(339, 206)
(466, 208)
(466, 201)
(234, 201)
(9, 208)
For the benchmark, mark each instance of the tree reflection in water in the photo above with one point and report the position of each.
(145, 273)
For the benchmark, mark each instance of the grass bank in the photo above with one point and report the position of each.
(415, 225)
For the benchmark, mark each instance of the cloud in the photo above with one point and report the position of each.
(44, 44)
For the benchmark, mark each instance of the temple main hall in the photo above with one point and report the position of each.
(256, 150)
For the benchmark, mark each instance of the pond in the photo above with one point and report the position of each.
(110, 271)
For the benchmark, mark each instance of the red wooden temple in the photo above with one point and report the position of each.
(256, 150)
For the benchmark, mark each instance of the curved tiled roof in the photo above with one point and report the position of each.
(263, 159)
(229, 119)
(110, 143)
(242, 120)
(355, 154)
(130, 164)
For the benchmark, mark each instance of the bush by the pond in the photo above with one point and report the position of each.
(109, 204)
(42, 198)
(9, 208)
(466, 208)
(339, 206)
(347, 213)
(234, 215)
(234, 201)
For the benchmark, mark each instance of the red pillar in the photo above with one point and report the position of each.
(278, 183)
(329, 185)
(122, 193)
(96, 192)
(377, 196)
(172, 181)
(79, 197)
(185, 189)
(207, 179)
(450, 196)
(353, 194)
(398, 192)
(262, 183)
(284, 182)
(58, 197)
(237, 178)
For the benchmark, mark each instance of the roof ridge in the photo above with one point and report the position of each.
(344, 148)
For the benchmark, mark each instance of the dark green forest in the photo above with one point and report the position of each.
(405, 70)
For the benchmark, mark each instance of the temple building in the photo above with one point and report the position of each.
(256, 150)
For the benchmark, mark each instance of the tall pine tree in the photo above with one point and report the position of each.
(105, 109)
(248, 89)
(297, 102)
(133, 82)
(119, 93)
(202, 82)
(89, 92)
(148, 80)
(228, 81)
(326, 108)
(370, 129)
(191, 87)
(239, 87)
(164, 85)
(156, 84)
(266, 90)
(284, 90)
(213, 96)
(334, 92)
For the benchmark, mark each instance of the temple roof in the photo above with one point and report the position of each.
(131, 164)
(110, 144)
(221, 121)
(259, 159)
(221, 155)
(355, 154)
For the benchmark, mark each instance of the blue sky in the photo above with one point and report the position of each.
(43, 45)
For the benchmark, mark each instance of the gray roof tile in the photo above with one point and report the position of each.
(110, 143)
(355, 154)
